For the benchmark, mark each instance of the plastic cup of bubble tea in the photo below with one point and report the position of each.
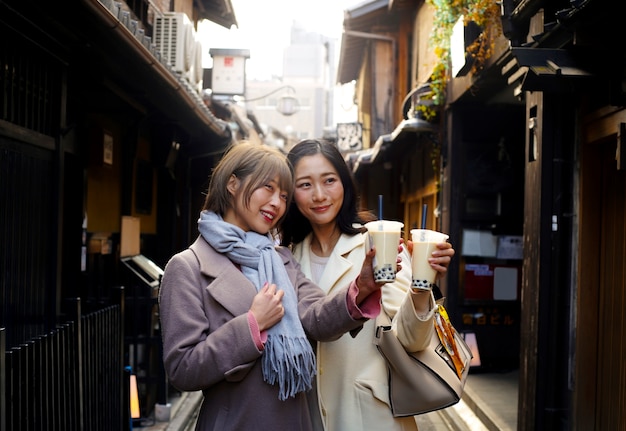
(424, 243)
(385, 236)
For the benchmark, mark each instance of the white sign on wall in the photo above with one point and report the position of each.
(228, 75)
(350, 136)
(229, 71)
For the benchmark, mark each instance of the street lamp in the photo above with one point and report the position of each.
(287, 104)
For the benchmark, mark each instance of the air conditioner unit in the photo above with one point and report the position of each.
(174, 39)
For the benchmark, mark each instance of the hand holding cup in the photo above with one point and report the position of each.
(424, 242)
(385, 237)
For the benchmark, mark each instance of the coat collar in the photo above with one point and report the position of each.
(338, 262)
(213, 263)
(229, 286)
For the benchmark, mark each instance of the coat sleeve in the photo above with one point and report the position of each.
(413, 331)
(197, 353)
(324, 317)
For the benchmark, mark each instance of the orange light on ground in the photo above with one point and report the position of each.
(134, 398)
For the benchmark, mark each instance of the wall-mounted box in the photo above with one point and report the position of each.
(100, 243)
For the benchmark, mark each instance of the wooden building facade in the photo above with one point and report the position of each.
(97, 123)
(529, 184)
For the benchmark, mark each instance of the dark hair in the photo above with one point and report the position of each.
(296, 227)
(255, 165)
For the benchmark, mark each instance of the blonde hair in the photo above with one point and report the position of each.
(255, 166)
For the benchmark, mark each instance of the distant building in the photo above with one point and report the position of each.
(309, 71)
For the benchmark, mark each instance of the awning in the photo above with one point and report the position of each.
(406, 129)
(544, 69)
(368, 156)
(412, 125)
(218, 11)
(359, 22)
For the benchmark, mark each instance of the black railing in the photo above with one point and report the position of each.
(105, 397)
(71, 378)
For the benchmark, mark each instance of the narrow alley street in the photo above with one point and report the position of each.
(489, 404)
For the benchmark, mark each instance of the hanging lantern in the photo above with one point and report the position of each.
(288, 105)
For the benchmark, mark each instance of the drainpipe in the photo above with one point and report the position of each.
(219, 127)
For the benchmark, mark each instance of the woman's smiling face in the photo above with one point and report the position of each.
(319, 190)
(266, 206)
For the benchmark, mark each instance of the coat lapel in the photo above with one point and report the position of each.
(229, 286)
(338, 265)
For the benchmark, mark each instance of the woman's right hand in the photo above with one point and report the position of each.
(365, 281)
(267, 306)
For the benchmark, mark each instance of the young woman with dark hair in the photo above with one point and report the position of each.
(324, 228)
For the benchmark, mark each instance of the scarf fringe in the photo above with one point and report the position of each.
(293, 373)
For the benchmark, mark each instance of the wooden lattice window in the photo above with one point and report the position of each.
(29, 84)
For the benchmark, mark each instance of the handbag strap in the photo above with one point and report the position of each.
(437, 292)
(382, 322)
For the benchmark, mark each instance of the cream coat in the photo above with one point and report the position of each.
(353, 391)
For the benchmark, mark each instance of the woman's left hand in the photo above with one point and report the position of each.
(441, 257)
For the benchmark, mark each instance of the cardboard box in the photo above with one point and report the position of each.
(100, 243)
(130, 236)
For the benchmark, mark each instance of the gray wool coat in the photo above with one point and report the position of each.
(207, 343)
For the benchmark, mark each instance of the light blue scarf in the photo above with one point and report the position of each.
(288, 357)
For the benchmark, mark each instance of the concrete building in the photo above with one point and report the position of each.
(309, 71)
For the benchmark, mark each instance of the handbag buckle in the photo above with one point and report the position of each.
(381, 328)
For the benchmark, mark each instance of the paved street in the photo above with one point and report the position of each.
(431, 422)
(456, 418)
(492, 395)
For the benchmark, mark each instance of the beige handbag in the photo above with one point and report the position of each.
(428, 380)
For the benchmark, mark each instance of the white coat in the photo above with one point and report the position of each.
(352, 386)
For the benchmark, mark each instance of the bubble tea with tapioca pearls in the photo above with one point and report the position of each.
(385, 236)
(424, 243)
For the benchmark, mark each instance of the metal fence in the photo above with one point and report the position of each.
(71, 378)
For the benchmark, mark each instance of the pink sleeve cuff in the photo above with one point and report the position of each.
(369, 307)
(259, 337)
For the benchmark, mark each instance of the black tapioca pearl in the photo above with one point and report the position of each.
(421, 284)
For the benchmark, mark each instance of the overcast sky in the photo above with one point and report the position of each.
(264, 28)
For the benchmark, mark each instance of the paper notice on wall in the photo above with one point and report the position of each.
(479, 243)
(505, 284)
(510, 247)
